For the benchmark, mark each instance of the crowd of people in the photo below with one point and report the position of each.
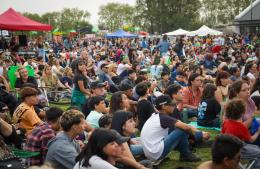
(131, 101)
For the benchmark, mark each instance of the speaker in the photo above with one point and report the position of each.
(22, 40)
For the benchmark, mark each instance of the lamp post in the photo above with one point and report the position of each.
(251, 12)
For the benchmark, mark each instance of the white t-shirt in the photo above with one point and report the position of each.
(153, 133)
(96, 163)
(251, 76)
(121, 67)
(255, 93)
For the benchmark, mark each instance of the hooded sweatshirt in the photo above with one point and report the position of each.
(62, 151)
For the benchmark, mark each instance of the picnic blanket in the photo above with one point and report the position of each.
(194, 124)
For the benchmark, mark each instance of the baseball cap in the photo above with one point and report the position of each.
(164, 100)
(120, 139)
(97, 84)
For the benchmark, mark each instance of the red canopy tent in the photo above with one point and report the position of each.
(12, 20)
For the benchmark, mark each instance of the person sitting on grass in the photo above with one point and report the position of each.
(233, 125)
(98, 106)
(38, 139)
(156, 139)
(235, 109)
(164, 82)
(144, 106)
(209, 108)
(24, 115)
(63, 148)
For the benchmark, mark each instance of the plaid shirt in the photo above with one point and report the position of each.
(37, 142)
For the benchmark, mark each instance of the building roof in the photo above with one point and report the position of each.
(246, 14)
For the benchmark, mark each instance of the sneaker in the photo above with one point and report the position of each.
(190, 158)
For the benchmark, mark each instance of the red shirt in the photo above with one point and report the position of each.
(237, 129)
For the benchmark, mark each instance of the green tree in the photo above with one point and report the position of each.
(222, 12)
(65, 20)
(114, 16)
(33, 16)
(164, 15)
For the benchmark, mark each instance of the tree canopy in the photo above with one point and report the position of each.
(65, 20)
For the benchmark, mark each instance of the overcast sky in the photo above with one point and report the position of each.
(42, 6)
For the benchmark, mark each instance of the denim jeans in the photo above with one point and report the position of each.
(177, 139)
(156, 71)
(136, 149)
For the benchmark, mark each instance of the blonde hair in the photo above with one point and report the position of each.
(66, 70)
(44, 166)
(69, 118)
(48, 78)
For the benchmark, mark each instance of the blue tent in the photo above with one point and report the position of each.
(120, 34)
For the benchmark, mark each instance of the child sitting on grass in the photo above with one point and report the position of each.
(233, 123)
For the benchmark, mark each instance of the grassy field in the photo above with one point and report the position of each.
(173, 160)
(203, 153)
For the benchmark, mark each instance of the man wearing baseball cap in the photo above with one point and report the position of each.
(97, 89)
(156, 138)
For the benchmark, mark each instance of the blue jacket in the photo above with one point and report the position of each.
(62, 151)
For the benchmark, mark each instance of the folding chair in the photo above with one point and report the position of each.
(12, 77)
(248, 163)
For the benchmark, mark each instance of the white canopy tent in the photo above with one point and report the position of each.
(178, 32)
(204, 31)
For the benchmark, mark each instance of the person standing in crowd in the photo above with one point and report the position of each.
(163, 45)
(37, 140)
(24, 115)
(63, 148)
(80, 81)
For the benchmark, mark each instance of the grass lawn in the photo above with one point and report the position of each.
(203, 153)
(173, 160)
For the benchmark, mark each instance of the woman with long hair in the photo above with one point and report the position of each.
(256, 88)
(67, 77)
(123, 122)
(222, 83)
(251, 71)
(81, 85)
(118, 101)
(209, 108)
(48, 79)
(104, 149)
(241, 89)
(57, 68)
(101, 151)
